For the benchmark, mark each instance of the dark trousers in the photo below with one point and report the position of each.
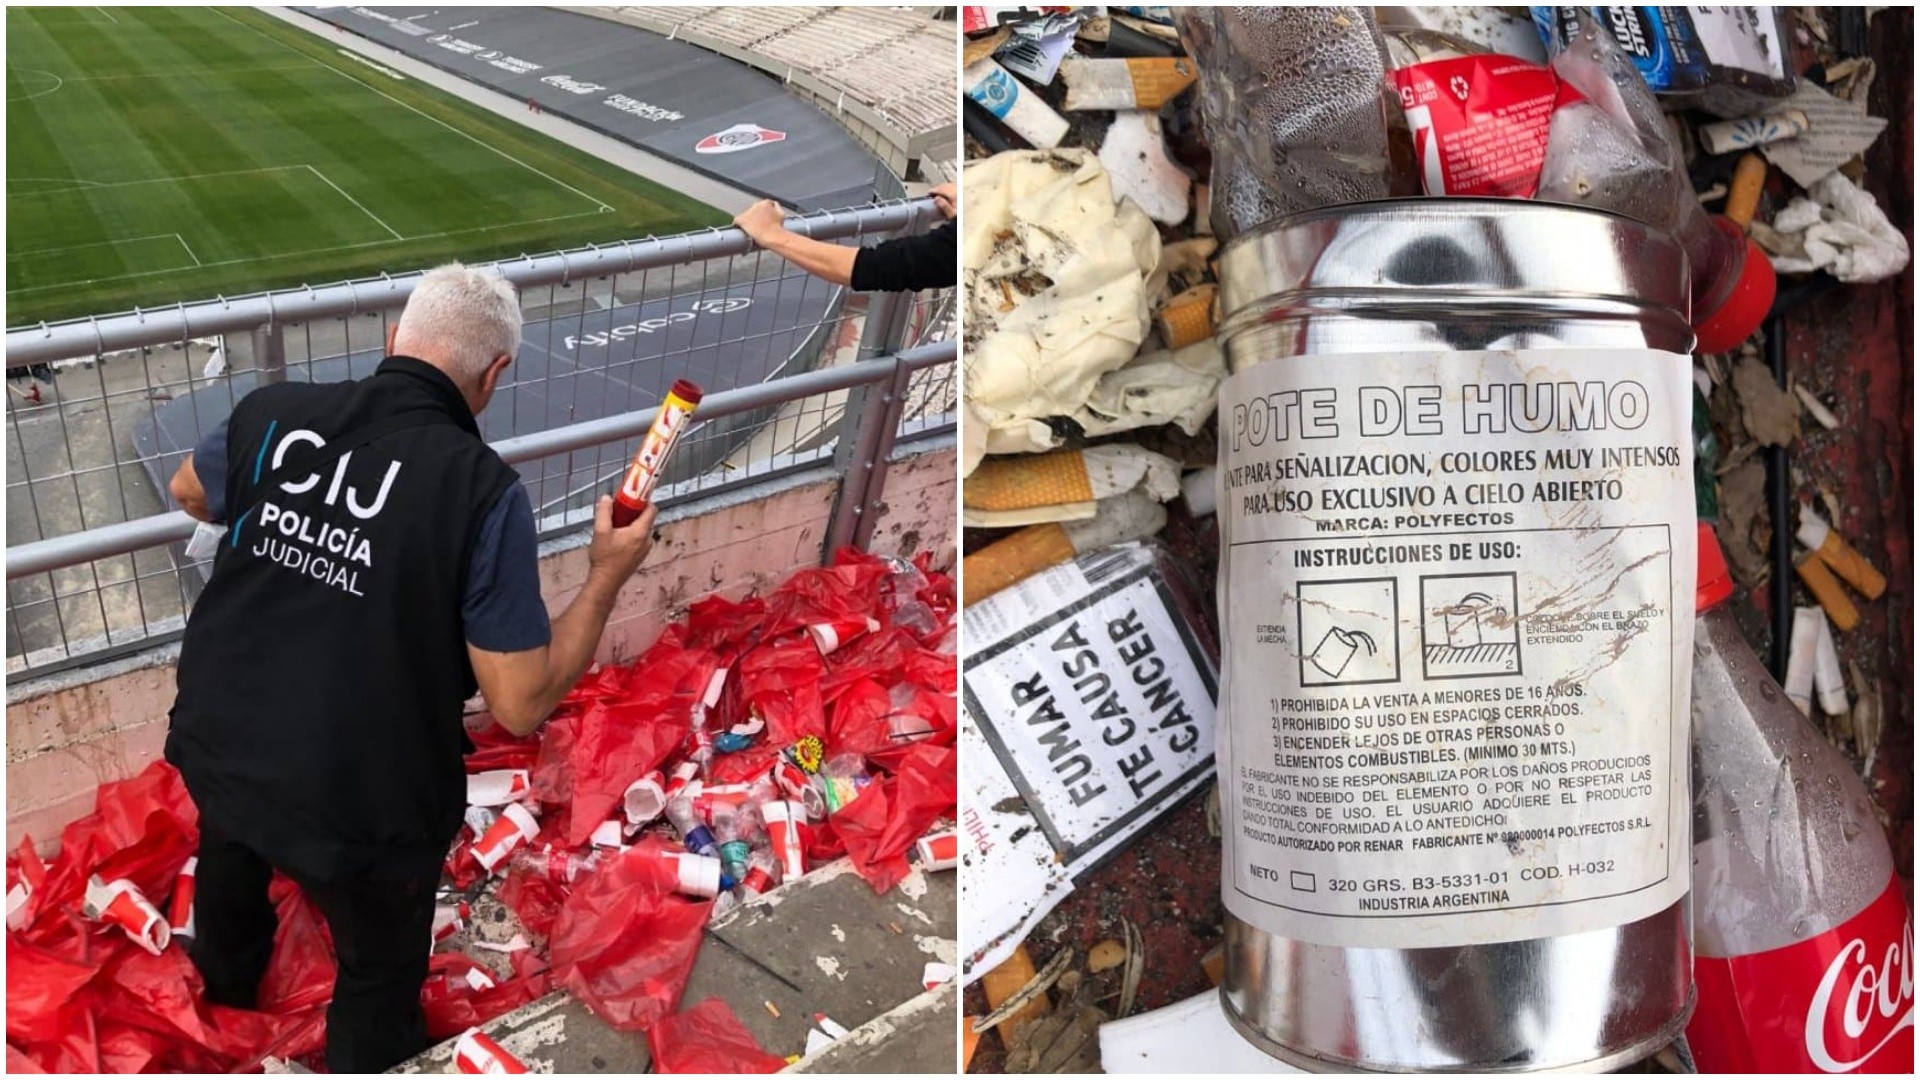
(382, 934)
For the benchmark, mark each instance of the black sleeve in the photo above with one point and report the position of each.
(909, 264)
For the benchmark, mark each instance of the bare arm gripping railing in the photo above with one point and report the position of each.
(41, 556)
(83, 337)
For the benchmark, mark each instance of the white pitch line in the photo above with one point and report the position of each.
(470, 138)
(299, 254)
(94, 244)
(91, 185)
(58, 82)
(356, 202)
(107, 13)
(190, 254)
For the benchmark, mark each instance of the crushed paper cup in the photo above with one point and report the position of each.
(180, 906)
(17, 905)
(609, 835)
(683, 774)
(829, 636)
(937, 851)
(515, 827)
(789, 832)
(646, 798)
(450, 919)
(715, 686)
(120, 903)
(498, 788)
(936, 974)
(476, 1052)
(792, 780)
(480, 819)
(712, 795)
(479, 979)
(694, 875)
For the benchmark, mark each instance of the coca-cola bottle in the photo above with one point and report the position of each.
(1803, 943)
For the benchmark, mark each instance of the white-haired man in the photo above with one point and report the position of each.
(378, 566)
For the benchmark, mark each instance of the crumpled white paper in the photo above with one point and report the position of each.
(1166, 387)
(1055, 277)
(1844, 231)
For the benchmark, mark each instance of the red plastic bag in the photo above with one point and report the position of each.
(452, 1004)
(39, 983)
(535, 901)
(625, 942)
(494, 747)
(300, 975)
(781, 683)
(708, 1038)
(880, 825)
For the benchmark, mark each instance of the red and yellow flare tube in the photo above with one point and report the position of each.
(668, 424)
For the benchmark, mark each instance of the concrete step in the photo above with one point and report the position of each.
(822, 944)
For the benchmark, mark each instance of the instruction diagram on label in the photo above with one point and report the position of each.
(1348, 632)
(1470, 626)
(1456, 609)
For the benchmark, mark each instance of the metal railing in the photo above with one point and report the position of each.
(104, 572)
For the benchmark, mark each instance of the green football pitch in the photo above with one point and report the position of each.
(159, 154)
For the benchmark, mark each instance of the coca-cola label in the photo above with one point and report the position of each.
(1840, 1002)
(1480, 122)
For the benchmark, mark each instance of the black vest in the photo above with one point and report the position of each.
(324, 667)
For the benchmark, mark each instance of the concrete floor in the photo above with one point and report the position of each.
(823, 944)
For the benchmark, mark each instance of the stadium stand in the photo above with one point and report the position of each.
(886, 73)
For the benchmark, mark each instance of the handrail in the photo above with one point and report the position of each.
(48, 342)
(121, 538)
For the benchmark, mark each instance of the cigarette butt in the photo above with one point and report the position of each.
(1188, 318)
(1006, 980)
(1806, 640)
(1826, 588)
(895, 927)
(1013, 559)
(1819, 412)
(1215, 964)
(1833, 549)
(1027, 481)
(1730, 135)
(771, 1010)
(1020, 109)
(969, 1042)
(1203, 209)
(1828, 680)
(1146, 82)
(1744, 197)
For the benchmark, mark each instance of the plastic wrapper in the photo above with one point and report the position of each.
(708, 1038)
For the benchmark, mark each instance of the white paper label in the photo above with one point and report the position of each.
(1088, 712)
(1456, 605)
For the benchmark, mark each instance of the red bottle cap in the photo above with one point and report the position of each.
(1746, 306)
(1715, 584)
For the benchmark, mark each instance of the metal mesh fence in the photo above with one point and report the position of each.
(94, 434)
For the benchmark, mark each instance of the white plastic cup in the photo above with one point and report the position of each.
(829, 636)
(788, 831)
(646, 798)
(498, 788)
(120, 903)
(476, 1052)
(180, 907)
(515, 827)
(937, 851)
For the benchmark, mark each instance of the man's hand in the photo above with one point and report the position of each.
(760, 220)
(619, 552)
(946, 198)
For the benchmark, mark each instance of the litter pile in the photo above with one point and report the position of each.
(752, 742)
(1113, 151)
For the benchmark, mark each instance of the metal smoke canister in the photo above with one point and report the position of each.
(1466, 849)
(668, 425)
